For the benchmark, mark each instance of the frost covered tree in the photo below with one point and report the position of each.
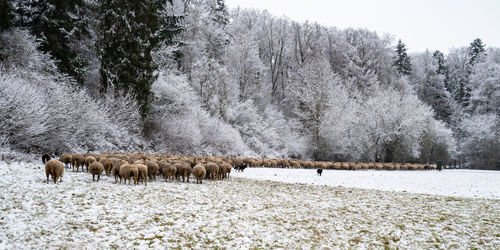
(392, 125)
(458, 77)
(481, 142)
(402, 61)
(485, 84)
(314, 92)
(476, 51)
(128, 37)
(430, 86)
(274, 45)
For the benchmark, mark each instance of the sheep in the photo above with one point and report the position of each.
(212, 170)
(228, 169)
(116, 169)
(54, 168)
(397, 167)
(77, 160)
(45, 158)
(153, 168)
(107, 163)
(364, 166)
(89, 160)
(96, 168)
(183, 170)
(169, 172)
(240, 167)
(295, 164)
(66, 159)
(346, 165)
(319, 171)
(337, 165)
(142, 173)
(388, 166)
(222, 171)
(127, 171)
(199, 173)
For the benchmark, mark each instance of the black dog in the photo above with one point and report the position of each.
(319, 171)
(45, 158)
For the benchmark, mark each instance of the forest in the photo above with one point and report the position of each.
(195, 77)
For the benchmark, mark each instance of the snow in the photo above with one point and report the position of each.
(449, 182)
(237, 213)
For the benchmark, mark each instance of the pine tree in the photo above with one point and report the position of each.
(402, 61)
(58, 23)
(218, 37)
(476, 50)
(5, 20)
(171, 26)
(129, 34)
(442, 69)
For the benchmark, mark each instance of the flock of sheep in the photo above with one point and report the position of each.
(139, 167)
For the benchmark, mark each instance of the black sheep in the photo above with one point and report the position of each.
(319, 171)
(45, 158)
(240, 167)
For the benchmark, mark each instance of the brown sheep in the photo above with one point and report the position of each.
(212, 170)
(127, 171)
(169, 172)
(142, 173)
(66, 159)
(89, 160)
(346, 165)
(295, 164)
(228, 169)
(337, 165)
(183, 170)
(77, 160)
(54, 168)
(96, 168)
(116, 169)
(107, 163)
(222, 171)
(153, 168)
(199, 173)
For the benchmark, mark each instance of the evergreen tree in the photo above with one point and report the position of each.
(171, 26)
(442, 69)
(476, 50)
(220, 13)
(58, 23)
(402, 61)
(5, 20)
(129, 34)
(217, 35)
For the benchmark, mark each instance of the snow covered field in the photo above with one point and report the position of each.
(449, 182)
(238, 213)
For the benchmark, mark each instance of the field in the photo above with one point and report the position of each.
(240, 212)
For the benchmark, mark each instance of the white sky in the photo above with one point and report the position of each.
(420, 24)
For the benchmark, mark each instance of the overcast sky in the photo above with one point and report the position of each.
(420, 24)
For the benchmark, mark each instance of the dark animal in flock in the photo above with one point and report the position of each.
(45, 158)
(240, 167)
(319, 171)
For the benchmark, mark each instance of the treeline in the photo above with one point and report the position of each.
(192, 77)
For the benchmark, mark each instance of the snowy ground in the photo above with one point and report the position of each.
(237, 213)
(449, 182)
